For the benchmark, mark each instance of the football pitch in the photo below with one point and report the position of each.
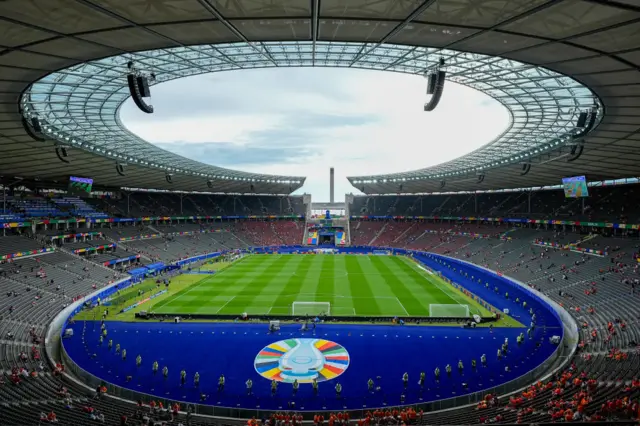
(352, 285)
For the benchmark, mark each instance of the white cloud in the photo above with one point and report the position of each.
(303, 121)
(232, 128)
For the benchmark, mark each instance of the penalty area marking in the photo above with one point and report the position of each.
(333, 295)
(225, 304)
(176, 296)
(436, 282)
(402, 306)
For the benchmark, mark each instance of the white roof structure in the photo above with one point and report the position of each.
(65, 62)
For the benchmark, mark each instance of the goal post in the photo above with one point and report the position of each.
(449, 311)
(310, 308)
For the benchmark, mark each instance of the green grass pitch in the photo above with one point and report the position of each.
(352, 284)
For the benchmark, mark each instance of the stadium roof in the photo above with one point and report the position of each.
(77, 52)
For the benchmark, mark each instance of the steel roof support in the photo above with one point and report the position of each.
(413, 15)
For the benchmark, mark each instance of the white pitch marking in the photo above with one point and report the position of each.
(227, 302)
(402, 306)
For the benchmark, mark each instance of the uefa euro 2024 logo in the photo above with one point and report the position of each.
(302, 360)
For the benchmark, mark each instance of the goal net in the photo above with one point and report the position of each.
(449, 311)
(310, 308)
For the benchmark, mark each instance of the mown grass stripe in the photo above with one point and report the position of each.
(293, 285)
(405, 296)
(269, 278)
(180, 293)
(326, 280)
(364, 301)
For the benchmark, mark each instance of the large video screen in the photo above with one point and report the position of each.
(575, 187)
(79, 186)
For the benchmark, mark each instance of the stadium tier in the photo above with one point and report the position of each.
(610, 204)
(149, 204)
(605, 204)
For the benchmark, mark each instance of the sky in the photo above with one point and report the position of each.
(302, 121)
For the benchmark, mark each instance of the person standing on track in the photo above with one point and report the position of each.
(249, 384)
(221, 383)
(405, 380)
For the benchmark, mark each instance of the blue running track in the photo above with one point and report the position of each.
(383, 353)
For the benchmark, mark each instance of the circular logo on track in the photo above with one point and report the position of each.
(302, 359)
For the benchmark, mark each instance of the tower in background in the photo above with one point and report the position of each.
(331, 185)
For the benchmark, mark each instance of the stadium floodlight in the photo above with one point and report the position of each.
(310, 308)
(449, 311)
